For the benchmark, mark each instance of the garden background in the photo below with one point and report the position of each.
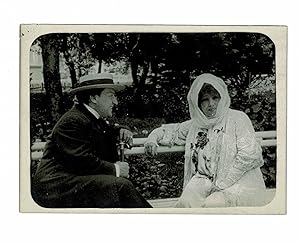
(162, 67)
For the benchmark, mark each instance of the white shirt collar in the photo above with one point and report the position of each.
(93, 111)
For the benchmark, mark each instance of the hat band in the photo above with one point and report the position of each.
(96, 81)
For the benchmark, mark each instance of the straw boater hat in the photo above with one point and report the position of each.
(95, 81)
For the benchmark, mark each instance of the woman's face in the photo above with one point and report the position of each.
(208, 101)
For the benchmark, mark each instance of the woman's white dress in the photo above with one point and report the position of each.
(230, 159)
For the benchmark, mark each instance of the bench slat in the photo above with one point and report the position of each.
(266, 134)
(41, 145)
(38, 146)
(267, 143)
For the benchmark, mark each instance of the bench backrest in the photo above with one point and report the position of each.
(266, 138)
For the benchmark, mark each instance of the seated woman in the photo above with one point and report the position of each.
(222, 155)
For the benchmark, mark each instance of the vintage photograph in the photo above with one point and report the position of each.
(153, 119)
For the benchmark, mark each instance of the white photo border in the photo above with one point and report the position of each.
(278, 34)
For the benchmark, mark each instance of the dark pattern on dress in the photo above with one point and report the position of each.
(201, 141)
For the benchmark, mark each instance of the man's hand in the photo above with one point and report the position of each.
(126, 136)
(124, 169)
(151, 149)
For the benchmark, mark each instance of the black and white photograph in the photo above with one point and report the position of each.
(153, 119)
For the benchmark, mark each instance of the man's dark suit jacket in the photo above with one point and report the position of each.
(79, 146)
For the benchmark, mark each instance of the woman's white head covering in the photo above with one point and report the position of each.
(199, 120)
(196, 114)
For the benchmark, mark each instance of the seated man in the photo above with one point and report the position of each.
(80, 167)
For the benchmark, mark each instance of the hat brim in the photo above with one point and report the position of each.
(116, 87)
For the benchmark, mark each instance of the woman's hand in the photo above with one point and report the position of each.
(151, 149)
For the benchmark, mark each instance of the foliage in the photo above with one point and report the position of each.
(158, 177)
(77, 54)
(170, 102)
(183, 55)
(141, 128)
(162, 176)
(164, 61)
(41, 123)
(259, 105)
(269, 167)
(164, 102)
(262, 112)
(173, 102)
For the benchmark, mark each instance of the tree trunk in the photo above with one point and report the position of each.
(134, 75)
(144, 75)
(72, 74)
(139, 80)
(71, 67)
(154, 69)
(139, 84)
(50, 55)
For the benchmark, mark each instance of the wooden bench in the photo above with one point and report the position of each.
(266, 138)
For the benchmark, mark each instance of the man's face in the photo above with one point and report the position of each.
(105, 102)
